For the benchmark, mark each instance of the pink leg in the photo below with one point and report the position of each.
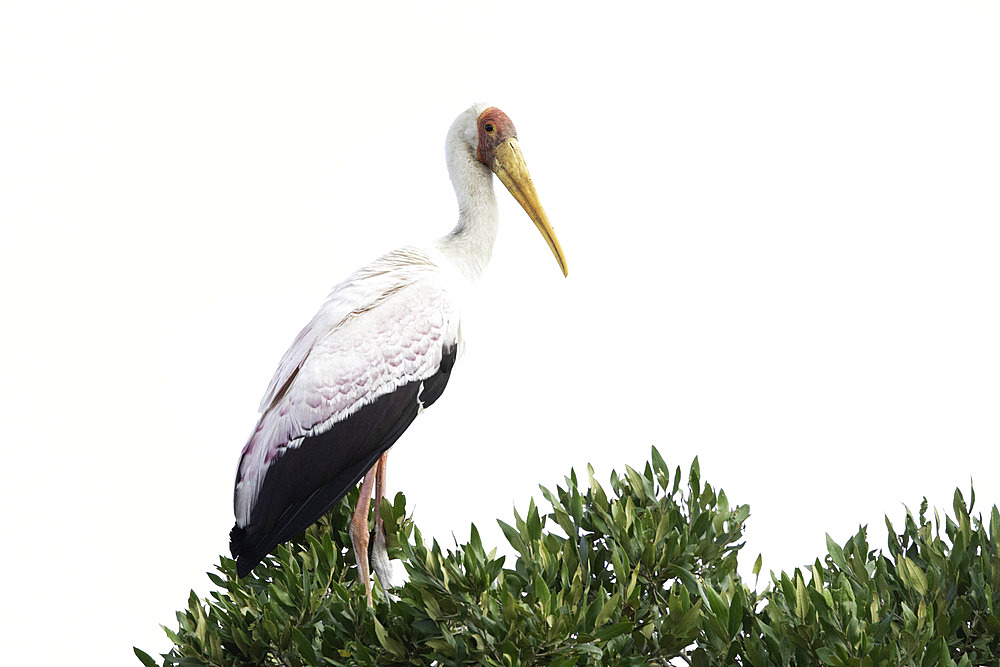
(380, 555)
(380, 491)
(359, 531)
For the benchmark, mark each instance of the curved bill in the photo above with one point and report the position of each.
(509, 166)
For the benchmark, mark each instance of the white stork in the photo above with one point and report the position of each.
(379, 351)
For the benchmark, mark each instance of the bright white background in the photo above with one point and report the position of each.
(782, 224)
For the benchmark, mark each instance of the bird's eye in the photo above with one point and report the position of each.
(489, 128)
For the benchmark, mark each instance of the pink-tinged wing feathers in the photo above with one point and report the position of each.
(384, 327)
(363, 289)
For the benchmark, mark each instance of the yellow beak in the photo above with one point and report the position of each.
(509, 166)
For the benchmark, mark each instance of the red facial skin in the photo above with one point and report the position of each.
(494, 129)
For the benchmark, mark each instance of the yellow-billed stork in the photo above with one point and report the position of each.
(379, 351)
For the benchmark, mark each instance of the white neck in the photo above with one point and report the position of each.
(470, 244)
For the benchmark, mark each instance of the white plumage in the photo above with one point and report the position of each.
(383, 327)
(378, 351)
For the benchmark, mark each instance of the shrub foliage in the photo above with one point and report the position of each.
(640, 573)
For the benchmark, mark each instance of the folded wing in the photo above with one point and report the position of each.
(380, 350)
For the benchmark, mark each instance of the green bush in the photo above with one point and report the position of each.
(643, 573)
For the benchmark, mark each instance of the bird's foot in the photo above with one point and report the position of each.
(380, 562)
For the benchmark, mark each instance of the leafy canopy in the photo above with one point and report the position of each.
(641, 573)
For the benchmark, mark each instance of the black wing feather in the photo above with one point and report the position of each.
(302, 484)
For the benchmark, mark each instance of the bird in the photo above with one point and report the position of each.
(378, 352)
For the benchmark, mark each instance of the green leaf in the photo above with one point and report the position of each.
(631, 584)
(171, 635)
(660, 466)
(736, 611)
(534, 522)
(690, 583)
(995, 528)
(958, 504)
(609, 608)
(541, 590)
(662, 527)
(611, 631)
(694, 477)
(912, 575)
(513, 537)
(565, 661)
(387, 642)
(430, 605)
(801, 597)
(282, 596)
(144, 657)
(304, 646)
(909, 618)
(718, 606)
(836, 553)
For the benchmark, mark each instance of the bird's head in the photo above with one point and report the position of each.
(494, 139)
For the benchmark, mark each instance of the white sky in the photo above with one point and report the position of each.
(782, 224)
